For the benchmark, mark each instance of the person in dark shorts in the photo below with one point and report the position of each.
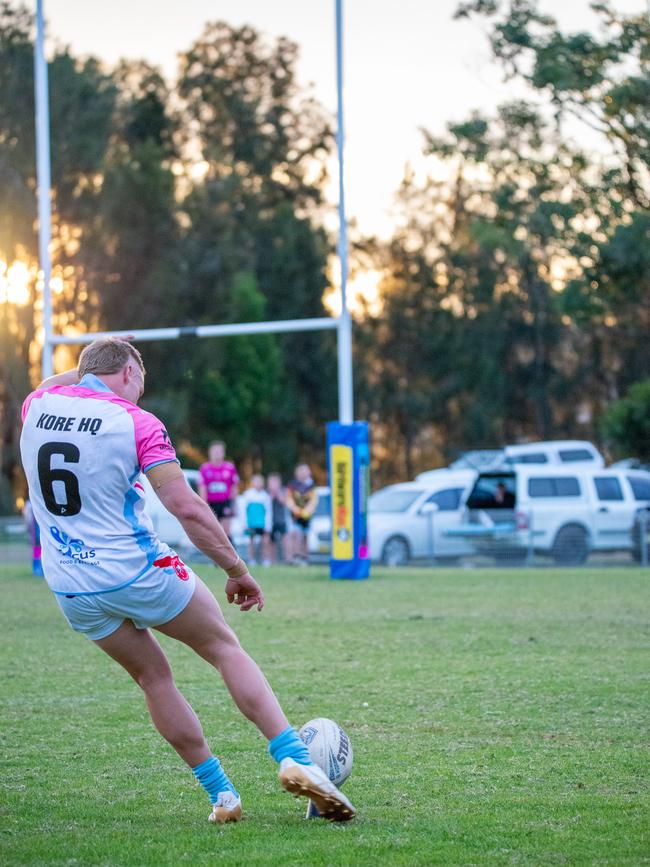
(302, 500)
(218, 484)
(280, 523)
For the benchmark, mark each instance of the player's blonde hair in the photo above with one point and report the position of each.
(108, 355)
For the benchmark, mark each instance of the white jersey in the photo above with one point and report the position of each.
(83, 449)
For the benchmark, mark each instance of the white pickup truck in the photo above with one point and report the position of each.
(555, 510)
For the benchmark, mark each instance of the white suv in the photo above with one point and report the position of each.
(553, 510)
(410, 521)
(542, 452)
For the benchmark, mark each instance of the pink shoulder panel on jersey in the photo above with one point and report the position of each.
(152, 442)
(29, 399)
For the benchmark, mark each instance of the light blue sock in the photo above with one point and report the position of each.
(288, 745)
(213, 778)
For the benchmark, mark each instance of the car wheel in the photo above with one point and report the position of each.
(571, 546)
(395, 552)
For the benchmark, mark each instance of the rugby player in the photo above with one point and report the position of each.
(84, 445)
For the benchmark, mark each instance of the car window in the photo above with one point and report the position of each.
(554, 486)
(608, 488)
(447, 500)
(392, 500)
(323, 506)
(640, 487)
(568, 456)
(493, 492)
(530, 458)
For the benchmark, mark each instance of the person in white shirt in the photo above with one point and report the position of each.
(84, 444)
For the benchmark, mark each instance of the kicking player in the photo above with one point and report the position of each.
(84, 444)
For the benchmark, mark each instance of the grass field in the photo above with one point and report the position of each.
(496, 718)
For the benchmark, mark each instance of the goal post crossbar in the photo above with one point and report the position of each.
(342, 324)
(224, 330)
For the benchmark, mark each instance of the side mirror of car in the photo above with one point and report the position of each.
(429, 508)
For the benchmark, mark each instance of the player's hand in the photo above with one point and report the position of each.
(245, 592)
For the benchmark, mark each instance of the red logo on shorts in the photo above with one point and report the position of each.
(176, 563)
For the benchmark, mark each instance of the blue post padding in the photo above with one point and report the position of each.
(348, 466)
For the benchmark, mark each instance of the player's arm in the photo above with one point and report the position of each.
(203, 529)
(291, 503)
(70, 377)
(313, 502)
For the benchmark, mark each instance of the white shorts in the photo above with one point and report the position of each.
(154, 599)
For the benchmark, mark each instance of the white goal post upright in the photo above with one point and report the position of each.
(346, 402)
(44, 185)
(342, 323)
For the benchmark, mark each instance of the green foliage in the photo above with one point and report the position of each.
(603, 79)
(235, 397)
(626, 422)
(145, 242)
(516, 292)
(533, 275)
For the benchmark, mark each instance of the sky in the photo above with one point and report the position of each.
(408, 65)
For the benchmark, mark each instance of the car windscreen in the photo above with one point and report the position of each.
(493, 492)
(392, 500)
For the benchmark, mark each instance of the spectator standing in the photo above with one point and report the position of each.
(219, 484)
(280, 523)
(258, 512)
(302, 500)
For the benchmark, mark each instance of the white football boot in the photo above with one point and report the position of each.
(226, 809)
(312, 782)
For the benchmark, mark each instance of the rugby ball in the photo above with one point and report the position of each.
(329, 748)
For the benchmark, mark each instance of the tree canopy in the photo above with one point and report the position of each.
(514, 294)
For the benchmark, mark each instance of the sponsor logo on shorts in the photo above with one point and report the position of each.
(174, 562)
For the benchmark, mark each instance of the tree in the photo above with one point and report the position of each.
(601, 80)
(142, 239)
(238, 393)
(626, 422)
(263, 146)
(81, 98)
(536, 249)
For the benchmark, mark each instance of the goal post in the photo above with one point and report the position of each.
(342, 323)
